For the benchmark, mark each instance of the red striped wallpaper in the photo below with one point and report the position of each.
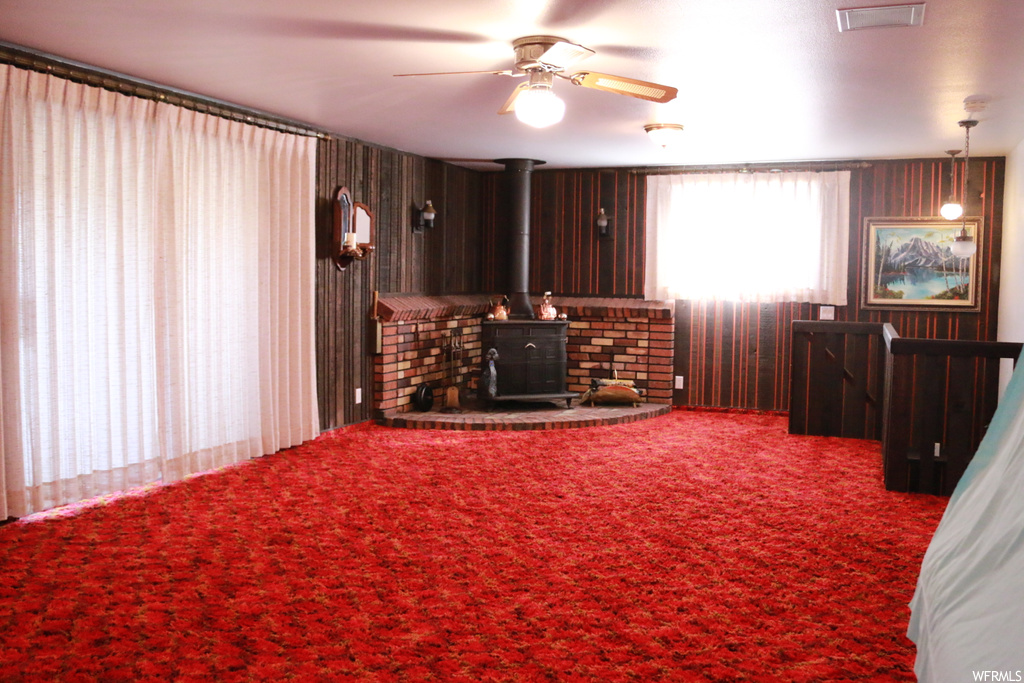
(737, 355)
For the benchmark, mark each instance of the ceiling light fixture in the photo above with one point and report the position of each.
(538, 105)
(952, 209)
(964, 245)
(664, 134)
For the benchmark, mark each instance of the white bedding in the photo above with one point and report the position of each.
(967, 615)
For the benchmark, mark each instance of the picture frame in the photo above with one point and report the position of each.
(908, 264)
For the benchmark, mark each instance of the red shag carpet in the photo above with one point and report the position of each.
(693, 546)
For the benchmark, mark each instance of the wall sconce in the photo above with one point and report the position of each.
(603, 220)
(352, 237)
(425, 217)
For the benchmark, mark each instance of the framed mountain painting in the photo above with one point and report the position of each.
(910, 263)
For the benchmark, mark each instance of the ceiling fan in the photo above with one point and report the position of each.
(542, 58)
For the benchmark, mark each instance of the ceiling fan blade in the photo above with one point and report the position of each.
(510, 103)
(574, 12)
(306, 27)
(506, 72)
(563, 53)
(643, 90)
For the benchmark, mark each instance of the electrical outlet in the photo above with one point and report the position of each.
(827, 313)
(679, 381)
(938, 449)
(359, 395)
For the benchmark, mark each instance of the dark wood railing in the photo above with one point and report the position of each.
(837, 379)
(940, 396)
(928, 400)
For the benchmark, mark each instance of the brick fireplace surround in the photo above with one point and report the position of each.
(631, 336)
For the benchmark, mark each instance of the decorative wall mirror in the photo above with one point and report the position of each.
(363, 223)
(352, 237)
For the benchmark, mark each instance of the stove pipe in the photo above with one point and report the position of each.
(517, 202)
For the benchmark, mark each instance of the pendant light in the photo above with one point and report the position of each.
(964, 245)
(952, 209)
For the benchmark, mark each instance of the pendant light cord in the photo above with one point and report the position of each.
(967, 160)
(967, 124)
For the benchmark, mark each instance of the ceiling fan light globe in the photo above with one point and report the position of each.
(964, 247)
(539, 107)
(951, 211)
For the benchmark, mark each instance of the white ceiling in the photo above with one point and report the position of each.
(758, 80)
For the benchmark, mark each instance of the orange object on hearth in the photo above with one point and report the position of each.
(547, 311)
(499, 310)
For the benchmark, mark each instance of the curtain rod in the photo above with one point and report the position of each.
(78, 72)
(768, 167)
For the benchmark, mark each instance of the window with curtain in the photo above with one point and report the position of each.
(157, 291)
(756, 237)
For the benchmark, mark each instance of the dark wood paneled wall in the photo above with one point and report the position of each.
(734, 354)
(566, 255)
(444, 259)
(731, 355)
(737, 355)
(751, 370)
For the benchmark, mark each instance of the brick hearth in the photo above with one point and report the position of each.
(632, 337)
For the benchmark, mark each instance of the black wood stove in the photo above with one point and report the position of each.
(531, 363)
(528, 355)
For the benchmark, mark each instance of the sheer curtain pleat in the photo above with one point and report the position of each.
(155, 261)
(754, 237)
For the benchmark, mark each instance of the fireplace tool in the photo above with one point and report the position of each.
(452, 347)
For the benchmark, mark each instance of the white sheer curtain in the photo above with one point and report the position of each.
(760, 237)
(156, 275)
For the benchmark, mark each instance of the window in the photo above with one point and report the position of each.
(157, 291)
(759, 237)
